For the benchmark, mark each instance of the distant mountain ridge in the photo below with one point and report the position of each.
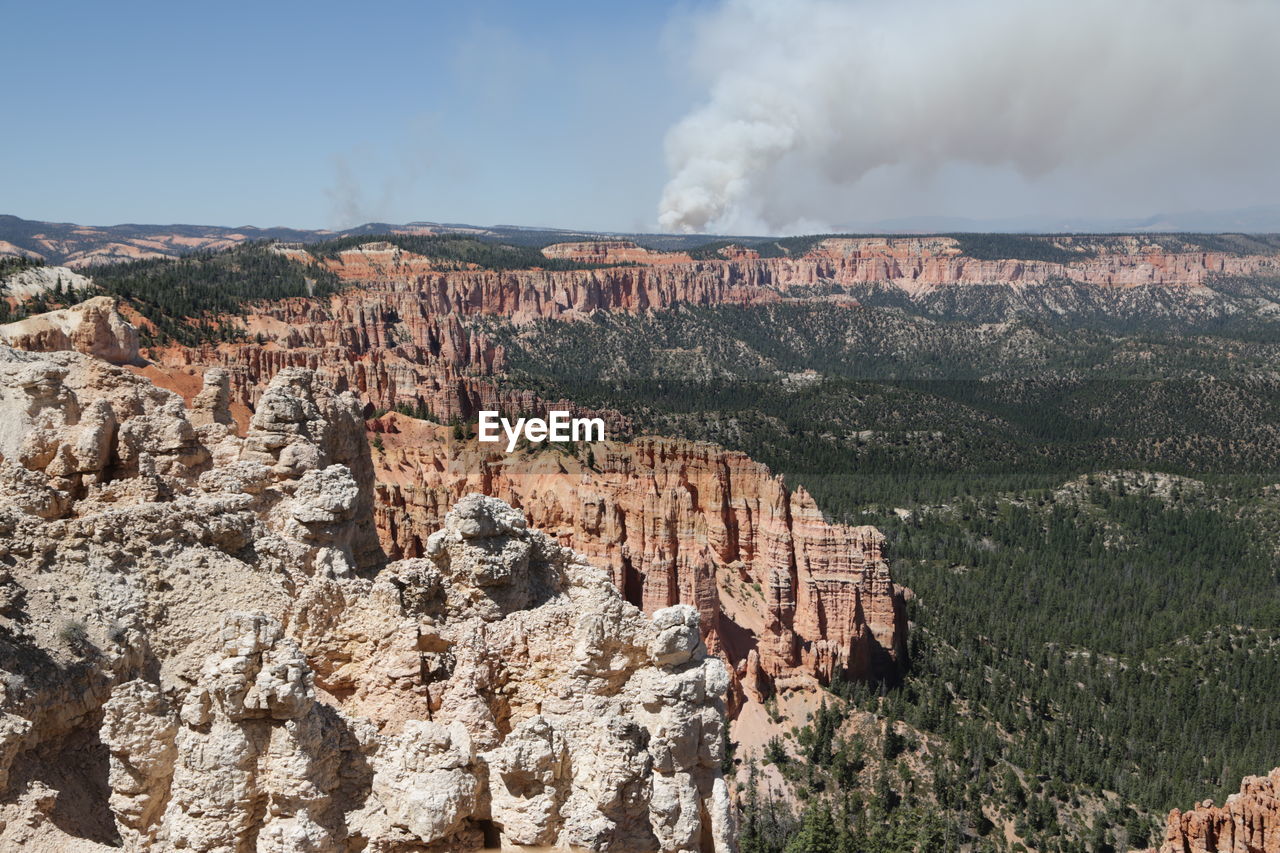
(70, 244)
(74, 245)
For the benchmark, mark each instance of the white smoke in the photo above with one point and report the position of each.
(806, 98)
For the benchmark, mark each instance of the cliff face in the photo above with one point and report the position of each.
(385, 378)
(783, 595)
(1249, 822)
(928, 262)
(613, 252)
(205, 648)
(660, 280)
(409, 333)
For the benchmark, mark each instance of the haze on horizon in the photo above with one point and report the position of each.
(729, 116)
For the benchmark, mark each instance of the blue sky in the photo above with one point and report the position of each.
(738, 116)
(324, 114)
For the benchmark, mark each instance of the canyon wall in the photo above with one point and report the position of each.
(612, 252)
(782, 594)
(786, 597)
(916, 263)
(929, 262)
(908, 263)
(411, 334)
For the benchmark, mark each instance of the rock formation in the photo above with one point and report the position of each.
(783, 594)
(612, 252)
(93, 327)
(413, 332)
(205, 649)
(387, 348)
(915, 263)
(1249, 822)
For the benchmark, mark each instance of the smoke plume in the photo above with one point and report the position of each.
(809, 98)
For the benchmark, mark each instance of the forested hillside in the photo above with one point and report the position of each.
(193, 299)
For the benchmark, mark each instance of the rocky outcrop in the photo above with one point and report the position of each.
(204, 647)
(784, 596)
(612, 252)
(213, 404)
(392, 378)
(93, 327)
(1248, 822)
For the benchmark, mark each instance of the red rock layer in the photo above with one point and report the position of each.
(407, 281)
(529, 294)
(911, 263)
(657, 280)
(612, 252)
(783, 593)
(401, 336)
(1249, 822)
(385, 346)
(925, 262)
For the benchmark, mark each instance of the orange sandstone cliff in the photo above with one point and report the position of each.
(785, 596)
(410, 333)
(914, 263)
(612, 252)
(1249, 822)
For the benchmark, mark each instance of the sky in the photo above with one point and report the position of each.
(738, 116)
(323, 114)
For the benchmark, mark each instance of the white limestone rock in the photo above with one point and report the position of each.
(215, 611)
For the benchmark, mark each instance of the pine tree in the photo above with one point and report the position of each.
(817, 832)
